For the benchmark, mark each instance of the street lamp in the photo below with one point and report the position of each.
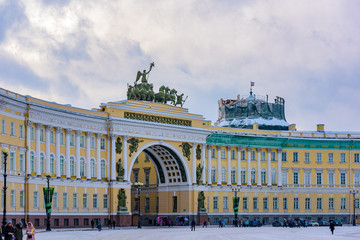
(48, 177)
(236, 189)
(354, 191)
(138, 186)
(5, 152)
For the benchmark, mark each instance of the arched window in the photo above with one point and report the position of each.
(103, 168)
(92, 167)
(253, 176)
(213, 174)
(32, 162)
(223, 174)
(233, 175)
(243, 175)
(82, 167)
(62, 165)
(273, 176)
(52, 163)
(263, 176)
(42, 162)
(72, 166)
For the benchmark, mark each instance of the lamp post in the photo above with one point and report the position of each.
(138, 186)
(236, 189)
(5, 152)
(354, 191)
(48, 197)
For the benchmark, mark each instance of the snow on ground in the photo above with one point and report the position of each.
(184, 233)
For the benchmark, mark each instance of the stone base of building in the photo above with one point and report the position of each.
(123, 220)
(201, 218)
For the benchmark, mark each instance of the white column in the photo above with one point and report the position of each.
(28, 146)
(67, 149)
(78, 133)
(209, 165)
(98, 156)
(258, 167)
(47, 148)
(269, 167)
(125, 148)
(194, 163)
(88, 156)
(279, 169)
(203, 156)
(228, 166)
(218, 165)
(111, 155)
(248, 166)
(57, 129)
(238, 166)
(38, 170)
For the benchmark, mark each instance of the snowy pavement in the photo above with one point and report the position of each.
(164, 233)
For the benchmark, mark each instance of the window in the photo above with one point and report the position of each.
(275, 203)
(82, 141)
(32, 162)
(106, 202)
(253, 176)
(75, 201)
(215, 201)
(283, 156)
(342, 157)
(331, 203)
(36, 199)
(12, 161)
(41, 135)
(222, 153)
(3, 126)
(263, 156)
(85, 200)
(72, 140)
(284, 178)
(61, 138)
(223, 174)
(319, 203)
(296, 203)
(103, 144)
(307, 157)
(136, 176)
(95, 201)
(331, 157)
(92, 167)
(225, 202)
(296, 178)
(147, 204)
(52, 137)
(263, 176)
(22, 131)
(147, 177)
(62, 165)
(65, 200)
(307, 204)
(318, 178)
(21, 162)
(343, 203)
(92, 142)
(22, 202)
(82, 167)
(52, 164)
(318, 157)
(12, 129)
(245, 203)
(243, 155)
(307, 178)
(265, 203)
(213, 174)
(243, 176)
(356, 178)
(273, 176)
(55, 200)
(356, 202)
(213, 153)
(233, 157)
(32, 133)
(342, 178)
(331, 178)
(103, 168)
(72, 166)
(253, 156)
(12, 198)
(233, 175)
(42, 162)
(273, 156)
(255, 203)
(285, 203)
(356, 157)
(295, 157)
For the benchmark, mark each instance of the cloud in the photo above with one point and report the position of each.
(307, 52)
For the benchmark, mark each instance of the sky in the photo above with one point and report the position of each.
(85, 52)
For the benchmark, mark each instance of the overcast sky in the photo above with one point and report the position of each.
(84, 52)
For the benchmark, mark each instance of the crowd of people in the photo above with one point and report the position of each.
(16, 233)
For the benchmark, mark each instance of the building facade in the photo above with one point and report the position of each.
(95, 156)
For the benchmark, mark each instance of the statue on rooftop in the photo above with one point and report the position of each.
(143, 74)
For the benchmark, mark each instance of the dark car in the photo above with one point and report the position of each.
(337, 222)
(257, 223)
(276, 224)
(324, 223)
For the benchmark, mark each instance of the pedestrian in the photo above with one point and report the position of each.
(9, 231)
(205, 224)
(193, 225)
(99, 225)
(92, 223)
(332, 227)
(114, 224)
(18, 231)
(30, 231)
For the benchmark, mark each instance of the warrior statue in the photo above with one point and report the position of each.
(143, 74)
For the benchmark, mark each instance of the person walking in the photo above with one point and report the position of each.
(193, 225)
(92, 223)
(99, 225)
(18, 231)
(9, 231)
(30, 231)
(114, 224)
(332, 227)
(205, 224)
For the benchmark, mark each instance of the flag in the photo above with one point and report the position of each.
(252, 84)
